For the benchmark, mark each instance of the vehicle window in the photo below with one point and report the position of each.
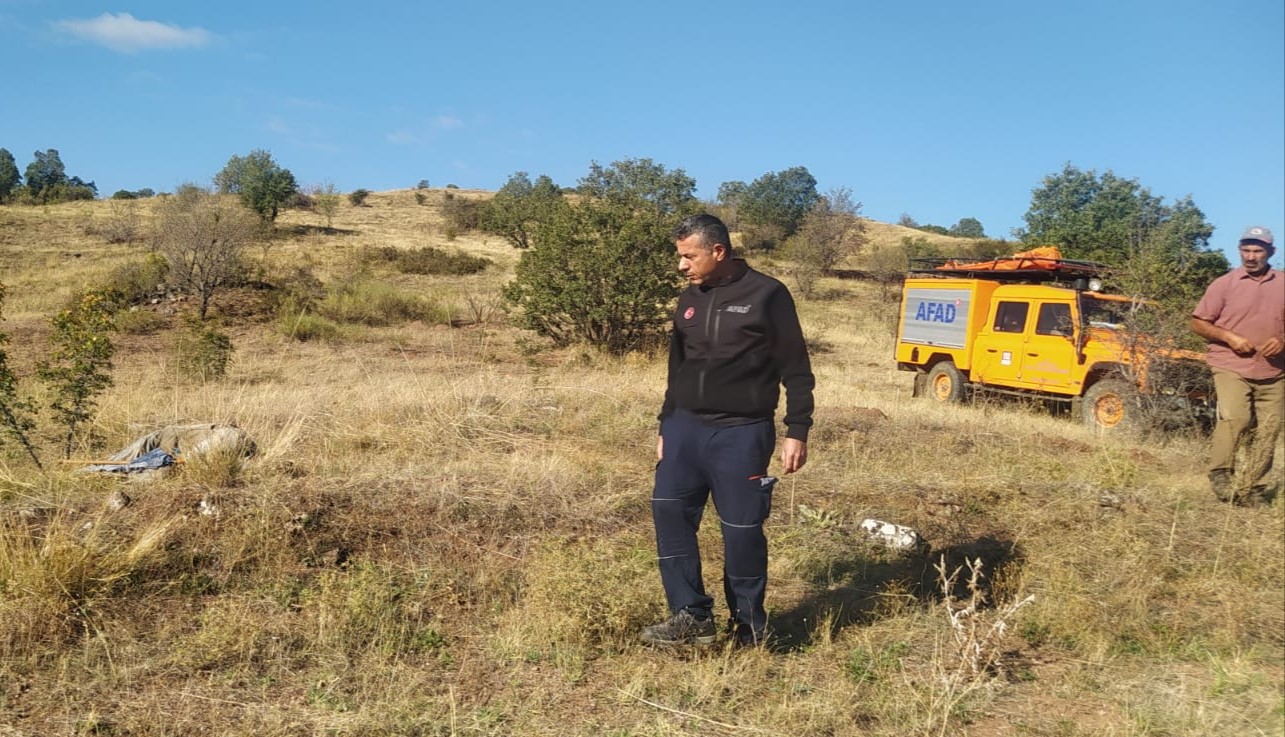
(1055, 319)
(1101, 313)
(1010, 317)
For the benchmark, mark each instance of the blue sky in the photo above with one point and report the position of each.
(942, 110)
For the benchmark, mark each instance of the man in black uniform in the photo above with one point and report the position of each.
(736, 340)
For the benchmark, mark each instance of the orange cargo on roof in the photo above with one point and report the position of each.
(1043, 257)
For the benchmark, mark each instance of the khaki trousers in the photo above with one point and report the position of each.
(1243, 403)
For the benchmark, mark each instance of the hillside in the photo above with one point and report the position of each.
(446, 529)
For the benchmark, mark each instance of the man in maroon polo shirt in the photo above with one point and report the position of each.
(1242, 315)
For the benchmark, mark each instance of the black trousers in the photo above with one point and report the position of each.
(730, 462)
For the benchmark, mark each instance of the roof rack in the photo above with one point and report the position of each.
(1010, 268)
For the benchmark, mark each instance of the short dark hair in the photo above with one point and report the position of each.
(711, 230)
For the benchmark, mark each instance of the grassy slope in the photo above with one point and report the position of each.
(447, 532)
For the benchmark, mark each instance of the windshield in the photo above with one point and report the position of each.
(1113, 314)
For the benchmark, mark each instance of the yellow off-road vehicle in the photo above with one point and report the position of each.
(1036, 325)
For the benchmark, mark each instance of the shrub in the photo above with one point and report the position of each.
(122, 225)
(566, 293)
(203, 238)
(427, 260)
(378, 305)
(325, 200)
(298, 288)
(358, 197)
(304, 326)
(80, 360)
(202, 351)
(423, 184)
(420, 198)
(137, 281)
(460, 215)
(300, 201)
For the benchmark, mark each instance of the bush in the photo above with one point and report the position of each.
(358, 197)
(300, 201)
(378, 305)
(762, 237)
(122, 225)
(202, 351)
(303, 326)
(420, 198)
(299, 289)
(78, 364)
(427, 260)
(423, 184)
(461, 215)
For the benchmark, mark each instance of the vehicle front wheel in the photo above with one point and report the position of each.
(1111, 405)
(945, 383)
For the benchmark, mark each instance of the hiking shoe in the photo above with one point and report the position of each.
(744, 636)
(681, 629)
(1220, 482)
(1255, 496)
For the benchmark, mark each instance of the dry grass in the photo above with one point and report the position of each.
(446, 532)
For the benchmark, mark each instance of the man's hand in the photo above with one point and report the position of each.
(1211, 332)
(1240, 345)
(1272, 347)
(794, 453)
(660, 447)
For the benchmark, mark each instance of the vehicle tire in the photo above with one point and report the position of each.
(1111, 405)
(945, 383)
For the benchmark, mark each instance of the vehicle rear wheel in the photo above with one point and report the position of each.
(1111, 405)
(945, 383)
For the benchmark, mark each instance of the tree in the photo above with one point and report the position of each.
(1093, 217)
(262, 184)
(1159, 252)
(9, 176)
(326, 200)
(731, 193)
(968, 228)
(641, 183)
(1109, 219)
(830, 232)
(520, 206)
(44, 172)
(47, 181)
(202, 239)
(602, 270)
(778, 201)
(729, 199)
(80, 360)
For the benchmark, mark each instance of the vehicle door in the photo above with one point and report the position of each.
(1048, 357)
(997, 350)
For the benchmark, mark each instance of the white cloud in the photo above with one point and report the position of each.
(447, 122)
(277, 124)
(402, 138)
(125, 33)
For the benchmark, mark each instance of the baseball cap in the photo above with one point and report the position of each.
(1257, 233)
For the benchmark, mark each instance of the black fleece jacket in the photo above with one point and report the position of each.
(733, 346)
